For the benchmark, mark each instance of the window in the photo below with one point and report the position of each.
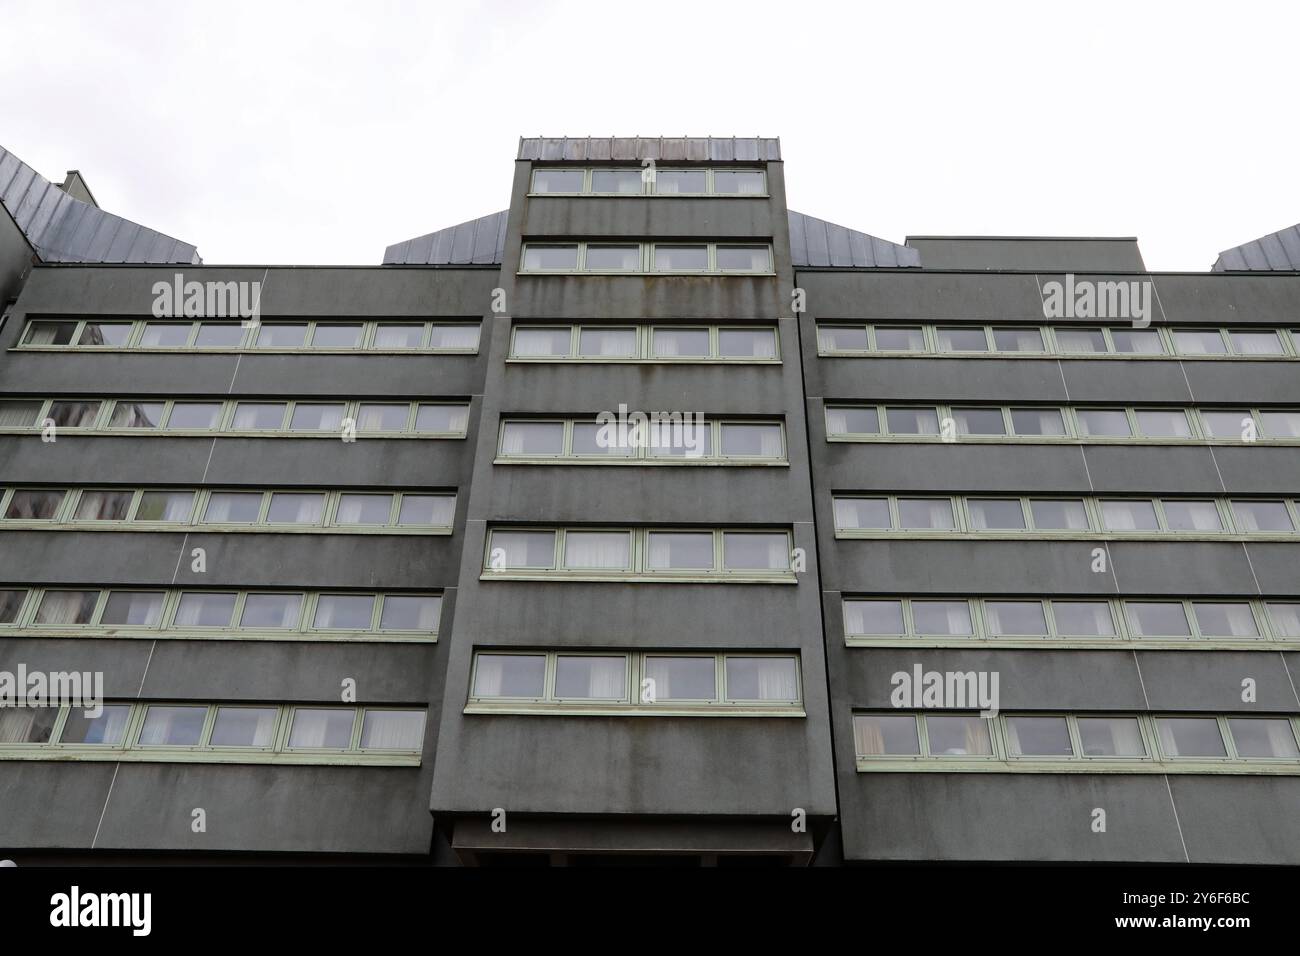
(1137, 341)
(1262, 516)
(105, 334)
(743, 550)
(1232, 425)
(1083, 618)
(397, 730)
(747, 343)
(1163, 423)
(925, 514)
(961, 339)
(692, 343)
(1269, 738)
(73, 414)
(852, 421)
(942, 618)
(509, 675)
(874, 617)
(536, 343)
(106, 730)
(744, 258)
(11, 602)
(912, 421)
(996, 514)
(1284, 425)
(1037, 421)
(609, 550)
(607, 343)
(282, 335)
(558, 180)
(252, 416)
(848, 338)
(1190, 737)
(1199, 342)
(337, 335)
(680, 343)
(855, 513)
(137, 415)
(522, 549)
(1157, 619)
(603, 257)
(761, 678)
(532, 439)
(32, 504)
(749, 182)
(681, 678)
(1119, 514)
(958, 736)
(20, 414)
(233, 507)
(681, 258)
(103, 505)
(50, 333)
(1190, 515)
(900, 338)
(1080, 340)
(878, 735)
(321, 728)
(1111, 737)
(1013, 339)
(165, 335)
(399, 336)
(67, 607)
(219, 335)
(133, 609)
(418, 612)
(752, 440)
(1225, 619)
(1262, 342)
(653, 257)
(344, 612)
(244, 727)
(589, 677)
(979, 421)
(170, 506)
(1038, 737)
(1103, 423)
(618, 181)
(173, 726)
(1015, 618)
(681, 551)
(675, 182)
(195, 415)
(633, 181)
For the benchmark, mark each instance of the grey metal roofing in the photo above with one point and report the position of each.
(816, 242)
(1276, 251)
(63, 229)
(712, 149)
(480, 241)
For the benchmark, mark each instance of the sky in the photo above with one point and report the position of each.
(319, 132)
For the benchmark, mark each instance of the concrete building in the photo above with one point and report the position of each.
(648, 521)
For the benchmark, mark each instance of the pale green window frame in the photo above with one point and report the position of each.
(640, 569)
(644, 352)
(635, 671)
(640, 452)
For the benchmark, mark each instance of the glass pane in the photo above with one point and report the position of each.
(1266, 737)
(670, 182)
(173, 726)
(680, 438)
(881, 735)
(539, 257)
(681, 678)
(1111, 737)
(744, 258)
(1157, 619)
(271, 610)
(958, 339)
(1262, 516)
(1216, 619)
(322, 728)
(392, 730)
(681, 258)
(979, 421)
(1103, 422)
(680, 550)
(899, 338)
(1255, 343)
(205, 609)
(244, 727)
(622, 181)
(198, 415)
(137, 415)
(872, 513)
(19, 414)
(1037, 421)
(133, 609)
(607, 343)
(364, 509)
(762, 678)
(445, 336)
(1280, 424)
(843, 338)
(1080, 340)
(874, 618)
(941, 619)
(49, 333)
(558, 180)
(586, 677)
(1119, 515)
(104, 505)
(1228, 424)
(509, 675)
(442, 419)
(233, 507)
(681, 343)
(219, 335)
(1285, 619)
(11, 602)
(344, 612)
(426, 511)
(259, 415)
(1065, 514)
(595, 439)
(399, 335)
(738, 182)
(752, 441)
(852, 421)
(1163, 423)
(613, 258)
(744, 551)
(382, 416)
(73, 414)
(1137, 341)
(522, 549)
(1039, 737)
(1184, 515)
(1018, 340)
(1199, 342)
(1083, 619)
(107, 729)
(337, 335)
(958, 736)
(28, 504)
(165, 335)
(109, 334)
(27, 725)
(1015, 618)
(923, 513)
(996, 514)
(67, 607)
(532, 343)
(1190, 737)
(747, 343)
(611, 550)
(165, 506)
(414, 612)
(912, 421)
(317, 418)
(282, 335)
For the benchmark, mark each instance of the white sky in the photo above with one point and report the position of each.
(313, 132)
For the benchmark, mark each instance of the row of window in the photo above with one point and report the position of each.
(630, 181)
(1056, 742)
(175, 509)
(1037, 423)
(671, 440)
(232, 335)
(332, 419)
(644, 343)
(642, 682)
(245, 733)
(860, 338)
(280, 615)
(868, 515)
(893, 620)
(621, 552)
(661, 257)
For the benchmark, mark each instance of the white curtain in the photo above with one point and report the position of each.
(763, 441)
(941, 617)
(322, 728)
(927, 513)
(608, 342)
(873, 617)
(1200, 515)
(1286, 619)
(1018, 617)
(442, 418)
(489, 675)
(1111, 737)
(1256, 344)
(767, 552)
(376, 417)
(367, 509)
(606, 676)
(596, 549)
(297, 508)
(530, 343)
(398, 336)
(66, 607)
(107, 728)
(173, 725)
(455, 337)
(751, 343)
(18, 725)
(1083, 619)
(1123, 515)
(392, 730)
(19, 414)
(205, 610)
(1226, 620)
(344, 611)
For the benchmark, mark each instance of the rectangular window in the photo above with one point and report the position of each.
(1137, 341)
(1111, 737)
(681, 182)
(133, 609)
(680, 343)
(558, 180)
(874, 618)
(622, 182)
(681, 258)
(219, 335)
(900, 338)
(852, 421)
(509, 675)
(1038, 737)
(607, 343)
(961, 339)
(942, 619)
(337, 335)
(996, 514)
(1118, 514)
(958, 736)
(680, 551)
(602, 257)
(762, 678)
(748, 182)
(588, 677)
(1190, 737)
(1199, 342)
(1266, 738)
(885, 735)
(322, 728)
(137, 415)
(1012, 339)
(344, 612)
(245, 727)
(862, 513)
(929, 514)
(173, 726)
(682, 678)
(1157, 619)
(32, 504)
(1103, 423)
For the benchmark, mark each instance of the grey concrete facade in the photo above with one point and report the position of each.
(700, 788)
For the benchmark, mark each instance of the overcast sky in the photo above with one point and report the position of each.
(277, 132)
